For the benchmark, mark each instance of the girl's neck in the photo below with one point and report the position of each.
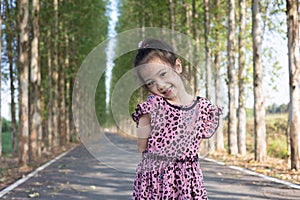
(183, 99)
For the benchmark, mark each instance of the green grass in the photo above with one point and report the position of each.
(277, 148)
(6, 142)
(276, 125)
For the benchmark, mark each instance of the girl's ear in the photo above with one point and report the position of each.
(178, 66)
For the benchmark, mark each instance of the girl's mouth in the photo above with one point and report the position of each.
(168, 91)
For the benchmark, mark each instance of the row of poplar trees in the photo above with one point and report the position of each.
(232, 33)
(43, 45)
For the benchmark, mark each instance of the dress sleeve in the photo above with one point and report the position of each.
(211, 115)
(143, 108)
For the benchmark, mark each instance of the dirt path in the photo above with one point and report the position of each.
(79, 176)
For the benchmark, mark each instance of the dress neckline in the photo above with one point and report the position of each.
(184, 107)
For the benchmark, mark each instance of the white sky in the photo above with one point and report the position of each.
(112, 11)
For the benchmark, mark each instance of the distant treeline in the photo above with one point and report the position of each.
(275, 109)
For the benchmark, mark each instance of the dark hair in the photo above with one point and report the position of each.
(154, 48)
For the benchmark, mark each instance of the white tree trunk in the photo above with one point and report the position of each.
(259, 108)
(241, 78)
(294, 81)
(23, 85)
(35, 78)
(208, 71)
(232, 135)
(0, 77)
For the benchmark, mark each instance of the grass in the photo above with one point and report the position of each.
(277, 135)
(276, 126)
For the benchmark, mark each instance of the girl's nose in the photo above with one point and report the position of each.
(160, 86)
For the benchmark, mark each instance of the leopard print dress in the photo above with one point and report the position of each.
(169, 168)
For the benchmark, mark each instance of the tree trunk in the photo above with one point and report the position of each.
(67, 88)
(35, 78)
(259, 109)
(23, 84)
(62, 102)
(195, 31)
(232, 135)
(55, 109)
(241, 78)
(219, 133)
(208, 74)
(50, 94)
(294, 81)
(73, 131)
(187, 12)
(208, 79)
(172, 15)
(0, 76)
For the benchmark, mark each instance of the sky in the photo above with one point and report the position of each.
(112, 11)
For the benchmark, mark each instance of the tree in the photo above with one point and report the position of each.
(61, 74)
(259, 109)
(35, 78)
(195, 33)
(55, 85)
(48, 140)
(0, 76)
(23, 84)
(217, 72)
(241, 77)
(208, 74)
(232, 135)
(294, 80)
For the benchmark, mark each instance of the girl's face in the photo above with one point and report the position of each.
(162, 79)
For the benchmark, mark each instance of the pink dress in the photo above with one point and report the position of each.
(169, 168)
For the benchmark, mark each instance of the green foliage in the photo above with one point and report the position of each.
(100, 103)
(249, 112)
(85, 24)
(6, 142)
(122, 65)
(6, 125)
(276, 126)
(278, 148)
(6, 136)
(275, 109)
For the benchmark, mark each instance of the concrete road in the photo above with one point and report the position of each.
(78, 175)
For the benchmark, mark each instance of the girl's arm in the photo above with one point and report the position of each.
(143, 132)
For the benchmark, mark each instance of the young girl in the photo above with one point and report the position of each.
(170, 127)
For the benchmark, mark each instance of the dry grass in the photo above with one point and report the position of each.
(277, 163)
(275, 167)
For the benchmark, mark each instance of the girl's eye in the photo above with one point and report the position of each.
(163, 74)
(149, 83)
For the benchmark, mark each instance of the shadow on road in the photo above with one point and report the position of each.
(78, 175)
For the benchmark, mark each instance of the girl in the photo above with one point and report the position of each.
(170, 127)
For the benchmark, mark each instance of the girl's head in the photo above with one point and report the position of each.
(158, 68)
(153, 48)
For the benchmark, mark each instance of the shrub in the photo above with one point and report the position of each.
(278, 148)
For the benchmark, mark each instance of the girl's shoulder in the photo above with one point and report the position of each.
(203, 100)
(147, 107)
(207, 104)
